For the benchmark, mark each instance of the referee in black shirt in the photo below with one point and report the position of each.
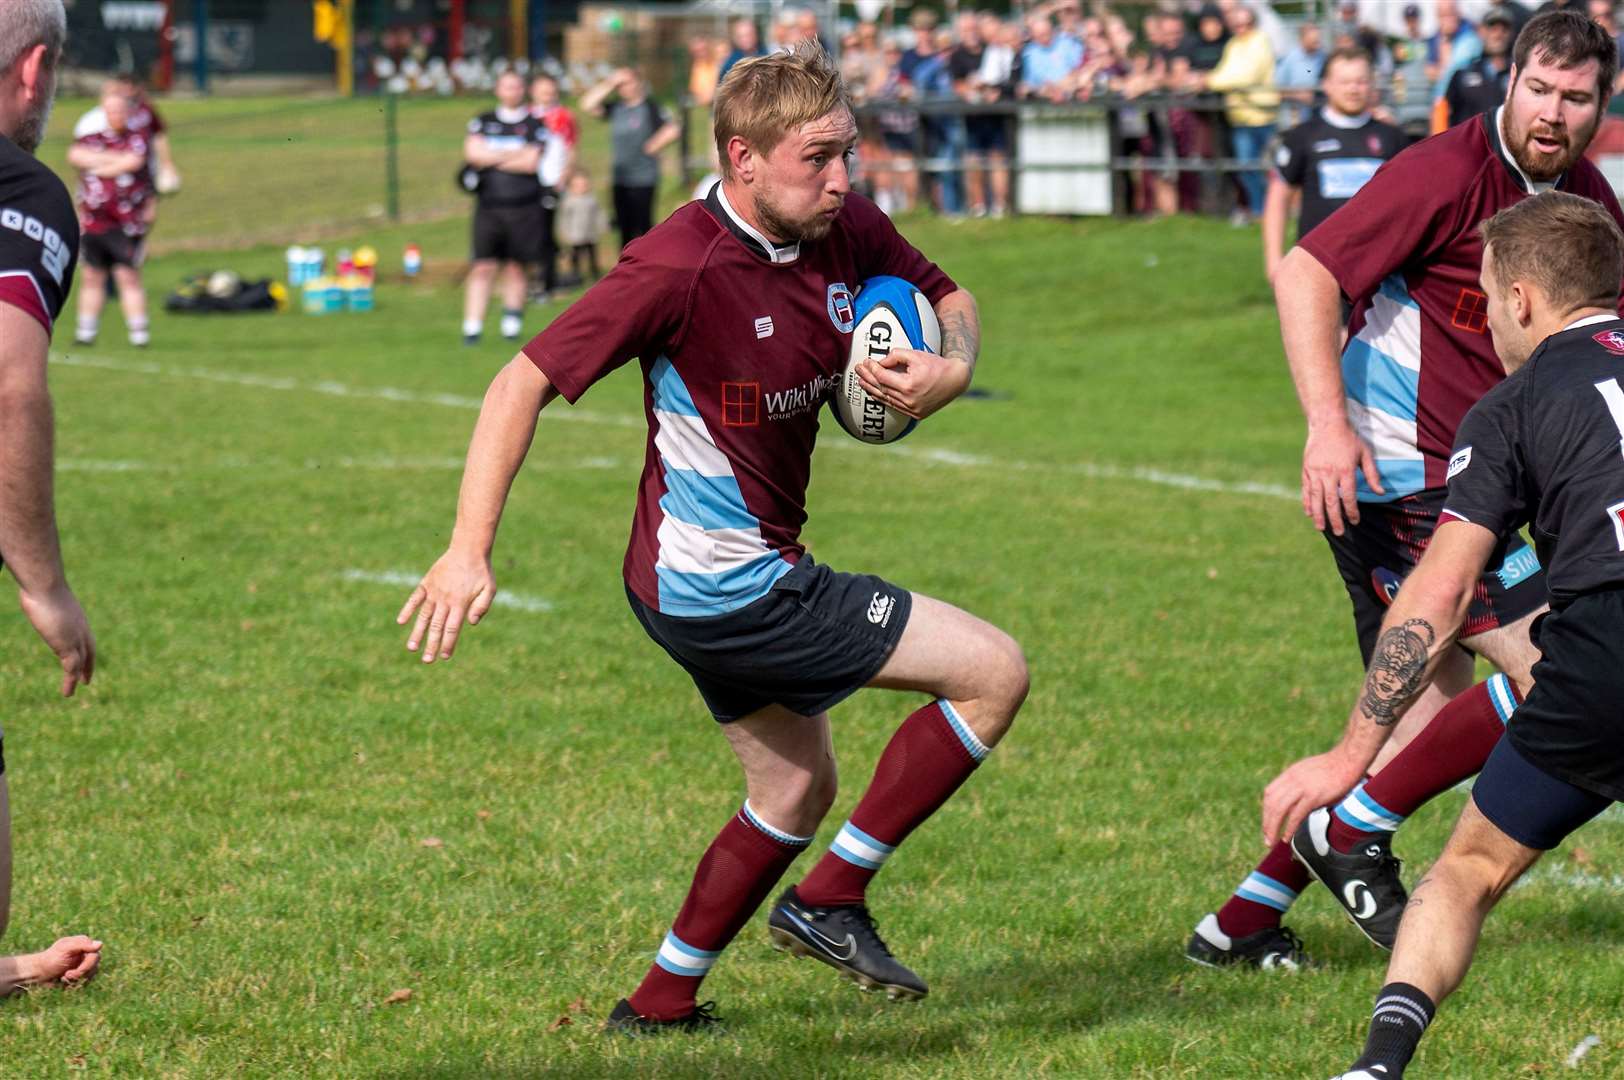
(1541, 449)
(1328, 157)
(504, 146)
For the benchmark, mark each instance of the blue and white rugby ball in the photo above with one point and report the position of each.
(889, 313)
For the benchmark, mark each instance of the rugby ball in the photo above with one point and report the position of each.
(887, 313)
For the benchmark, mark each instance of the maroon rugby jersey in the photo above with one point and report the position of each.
(740, 343)
(1406, 250)
(116, 203)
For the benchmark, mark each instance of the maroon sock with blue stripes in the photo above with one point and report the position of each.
(932, 753)
(735, 875)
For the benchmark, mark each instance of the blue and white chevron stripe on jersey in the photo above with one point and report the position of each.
(680, 958)
(712, 558)
(1381, 374)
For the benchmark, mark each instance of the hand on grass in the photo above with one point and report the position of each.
(912, 382)
(69, 961)
(457, 587)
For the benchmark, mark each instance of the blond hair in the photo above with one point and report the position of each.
(1567, 245)
(765, 98)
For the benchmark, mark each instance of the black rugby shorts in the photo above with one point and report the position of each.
(1376, 555)
(815, 639)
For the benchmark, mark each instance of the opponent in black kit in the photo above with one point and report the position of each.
(1543, 449)
(1329, 156)
(39, 243)
(504, 147)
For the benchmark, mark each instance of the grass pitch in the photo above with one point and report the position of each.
(279, 820)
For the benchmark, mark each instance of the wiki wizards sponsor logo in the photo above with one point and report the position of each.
(1386, 583)
(783, 404)
(1612, 341)
(841, 312)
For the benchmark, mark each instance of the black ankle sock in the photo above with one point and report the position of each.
(1400, 1019)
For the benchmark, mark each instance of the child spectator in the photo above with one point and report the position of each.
(581, 221)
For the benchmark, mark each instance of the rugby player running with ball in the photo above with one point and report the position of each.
(733, 305)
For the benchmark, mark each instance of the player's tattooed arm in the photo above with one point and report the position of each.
(961, 327)
(1398, 669)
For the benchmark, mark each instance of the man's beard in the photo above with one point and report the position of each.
(31, 132)
(813, 228)
(1541, 166)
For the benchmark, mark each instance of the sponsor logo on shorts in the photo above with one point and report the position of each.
(1458, 463)
(1612, 341)
(880, 608)
(841, 312)
(1520, 565)
(1386, 584)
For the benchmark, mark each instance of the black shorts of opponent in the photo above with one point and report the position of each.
(509, 233)
(814, 640)
(1376, 555)
(1561, 761)
(102, 251)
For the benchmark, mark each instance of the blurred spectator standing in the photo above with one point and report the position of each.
(1185, 135)
(1455, 45)
(861, 61)
(983, 135)
(581, 222)
(638, 130)
(115, 190)
(1412, 90)
(1326, 159)
(944, 135)
(704, 69)
(923, 23)
(1479, 86)
(1297, 75)
(1605, 13)
(745, 41)
(896, 182)
(1245, 74)
(804, 27)
(505, 146)
(1048, 61)
(557, 159)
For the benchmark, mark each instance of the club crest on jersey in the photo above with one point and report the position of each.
(841, 312)
(1612, 341)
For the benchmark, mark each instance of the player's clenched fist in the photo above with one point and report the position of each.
(458, 586)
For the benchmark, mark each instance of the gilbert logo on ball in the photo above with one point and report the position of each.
(888, 313)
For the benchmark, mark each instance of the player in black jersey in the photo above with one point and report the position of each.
(505, 146)
(1540, 449)
(1328, 157)
(39, 241)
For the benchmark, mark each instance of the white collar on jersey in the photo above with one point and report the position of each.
(1589, 320)
(787, 253)
(512, 116)
(1343, 121)
(1531, 186)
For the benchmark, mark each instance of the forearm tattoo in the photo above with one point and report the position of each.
(1397, 671)
(961, 336)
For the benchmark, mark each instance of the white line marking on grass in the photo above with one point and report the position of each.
(410, 581)
(935, 456)
(323, 386)
(1572, 879)
(380, 464)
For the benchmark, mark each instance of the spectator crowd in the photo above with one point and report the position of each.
(1196, 88)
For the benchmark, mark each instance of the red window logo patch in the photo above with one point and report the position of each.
(1471, 312)
(741, 404)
